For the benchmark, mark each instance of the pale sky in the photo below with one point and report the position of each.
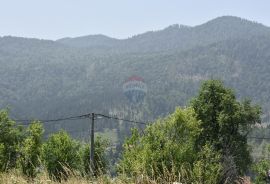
(54, 19)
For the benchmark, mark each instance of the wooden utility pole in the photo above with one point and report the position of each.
(92, 146)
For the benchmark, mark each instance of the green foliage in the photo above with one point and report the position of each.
(132, 148)
(31, 149)
(10, 142)
(261, 167)
(166, 152)
(207, 169)
(61, 155)
(100, 160)
(261, 170)
(225, 123)
(165, 146)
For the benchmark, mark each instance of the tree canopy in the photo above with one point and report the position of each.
(225, 123)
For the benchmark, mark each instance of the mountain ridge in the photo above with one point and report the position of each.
(176, 36)
(48, 79)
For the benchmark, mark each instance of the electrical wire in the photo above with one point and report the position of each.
(84, 116)
(120, 119)
(28, 121)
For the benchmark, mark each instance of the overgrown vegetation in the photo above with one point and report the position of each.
(25, 150)
(61, 154)
(208, 140)
(10, 142)
(205, 143)
(31, 150)
(165, 147)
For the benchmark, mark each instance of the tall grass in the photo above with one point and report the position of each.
(71, 176)
(15, 177)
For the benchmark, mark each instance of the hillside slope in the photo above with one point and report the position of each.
(175, 37)
(50, 79)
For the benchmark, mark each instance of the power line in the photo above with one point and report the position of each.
(84, 116)
(28, 121)
(120, 119)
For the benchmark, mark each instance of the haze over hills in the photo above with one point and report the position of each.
(176, 37)
(48, 79)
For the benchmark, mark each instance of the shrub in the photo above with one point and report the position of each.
(261, 167)
(10, 140)
(31, 149)
(61, 155)
(166, 146)
(207, 169)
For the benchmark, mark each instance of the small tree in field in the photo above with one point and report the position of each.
(61, 154)
(31, 149)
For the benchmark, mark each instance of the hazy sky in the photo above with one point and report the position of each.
(53, 19)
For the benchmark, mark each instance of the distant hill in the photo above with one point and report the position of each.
(89, 41)
(176, 37)
(50, 79)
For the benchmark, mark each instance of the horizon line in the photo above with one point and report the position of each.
(138, 34)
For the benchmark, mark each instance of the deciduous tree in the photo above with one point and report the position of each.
(225, 124)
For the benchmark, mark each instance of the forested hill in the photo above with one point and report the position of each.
(49, 79)
(175, 37)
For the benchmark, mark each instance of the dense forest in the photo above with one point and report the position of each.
(44, 79)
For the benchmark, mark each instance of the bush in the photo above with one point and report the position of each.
(10, 142)
(207, 169)
(262, 167)
(61, 155)
(31, 149)
(166, 146)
